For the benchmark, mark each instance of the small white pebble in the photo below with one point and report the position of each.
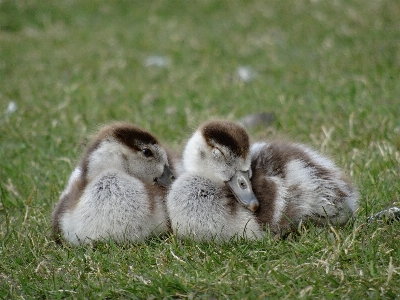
(246, 74)
(11, 108)
(157, 61)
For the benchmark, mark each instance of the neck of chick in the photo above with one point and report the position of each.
(108, 156)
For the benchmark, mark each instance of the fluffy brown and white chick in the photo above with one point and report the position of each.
(295, 184)
(203, 203)
(117, 191)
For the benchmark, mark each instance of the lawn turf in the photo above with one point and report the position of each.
(328, 70)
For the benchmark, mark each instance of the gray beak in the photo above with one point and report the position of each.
(166, 178)
(240, 186)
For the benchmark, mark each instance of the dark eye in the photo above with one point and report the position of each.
(147, 152)
(242, 184)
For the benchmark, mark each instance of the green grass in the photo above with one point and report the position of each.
(328, 70)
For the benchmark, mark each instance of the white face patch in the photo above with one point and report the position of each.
(149, 163)
(217, 163)
(146, 164)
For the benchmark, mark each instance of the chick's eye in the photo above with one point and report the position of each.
(217, 153)
(147, 152)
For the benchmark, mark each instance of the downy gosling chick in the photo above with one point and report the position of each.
(203, 202)
(117, 191)
(295, 184)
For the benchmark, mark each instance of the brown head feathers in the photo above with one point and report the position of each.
(228, 134)
(126, 133)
